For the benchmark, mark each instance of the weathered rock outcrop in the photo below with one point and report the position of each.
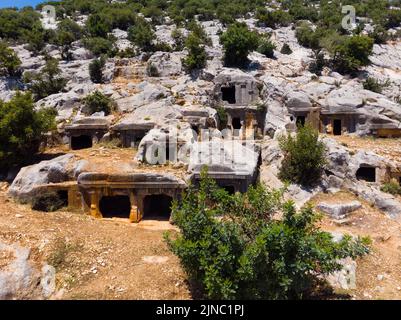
(57, 170)
(164, 64)
(20, 278)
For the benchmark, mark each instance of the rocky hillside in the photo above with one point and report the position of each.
(107, 81)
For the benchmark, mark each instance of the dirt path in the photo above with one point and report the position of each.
(97, 259)
(379, 273)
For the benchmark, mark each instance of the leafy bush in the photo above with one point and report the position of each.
(48, 202)
(374, 85)
(223, 117)
(379, 35)
(16, 24)
(352, 53)
(46, 82)
(238, 41)
(200, 32)
(273, 19)
(196, 58)
(392, 187)
(179, 39)
(98, 102)
(21, 129)
(142, 35)
(9, 61)
(318, 64)
(68, 31)
(98, 25)
(231, 247)
(152, 71)
(307, 37)
(304, 157)
(286, 49)
(96, 69)
(100, 46)
(266, 47)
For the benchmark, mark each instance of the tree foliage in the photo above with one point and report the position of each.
(142, 35)
(47, 81)
(304, 157)
(98, 102)
(238, 41)
(96, 69)
(9, 61)
(352, 54)
(231, 247)
(196, 58)
(21, 129)
(266, 47)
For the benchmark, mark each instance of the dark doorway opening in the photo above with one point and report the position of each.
(236, 123)
(63, 196)
(81, 142)
(228, 94)
(399, 181)
(337, 127)
(229, 189)
(157, 206)
(115, 207)
(301, 121)
(195, 128)
(367, 174)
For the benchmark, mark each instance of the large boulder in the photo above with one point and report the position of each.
(20, 278)
(149, 115)
(177, 139)
(339, 210)
(224, 157)
(29, 179)
(164, 64)
(297, 100)
(147, 93)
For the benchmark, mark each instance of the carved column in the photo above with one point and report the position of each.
(94, 208)
(135, 215)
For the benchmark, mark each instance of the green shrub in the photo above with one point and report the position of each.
(273, 19)
(196, 58)
(98, 102)
(98, 25)
(223, 117)
(318, 64)
(142, 35)
(9, 61)
(374, 85)
(238, 41)
(379, 35)
(68, 31)
(286, 49)
(100, 46)
(231, 247)
(199, 32)
(21, 129)
(16, 24)
(266, 47)
(307, 37)
(152, 71)
(352, 54)
(392, 187)
(46, 82)
(179, 39)
(304, 157)
(48, 202)
(96, 69)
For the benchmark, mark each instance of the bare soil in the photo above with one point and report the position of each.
(379, 273)
(96, 259)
